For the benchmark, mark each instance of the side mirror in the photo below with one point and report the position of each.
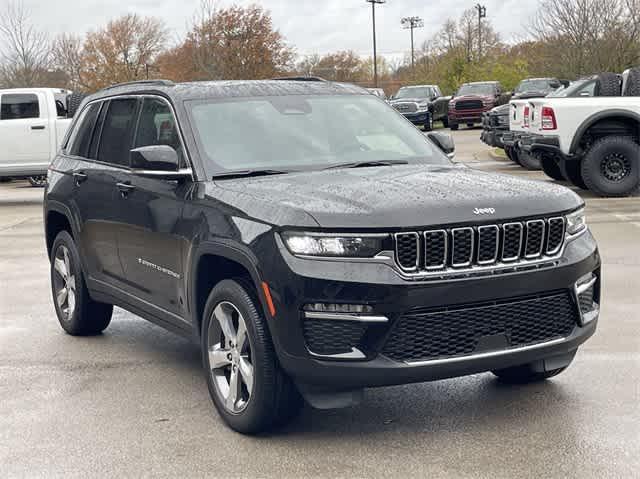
(157, 161)
(444, 141)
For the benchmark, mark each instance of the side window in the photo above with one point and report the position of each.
(16, 106)
(157, 126)
(117, 132)
(589, 89)
(83, 132)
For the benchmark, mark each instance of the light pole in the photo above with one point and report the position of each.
(411, 23)
(375, 52)
(482, 13)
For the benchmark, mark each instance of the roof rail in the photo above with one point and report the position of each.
(300, 78)
(141, 82)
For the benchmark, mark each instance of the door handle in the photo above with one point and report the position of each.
(38, 127)
(80, 178)
(125, 188)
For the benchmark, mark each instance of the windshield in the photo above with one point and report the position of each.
(305, 132)
(415, 92)
(534, 85)
(578, 88)
(477, 89)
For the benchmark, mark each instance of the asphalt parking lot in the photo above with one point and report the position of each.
(133, 402)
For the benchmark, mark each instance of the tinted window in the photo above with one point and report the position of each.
(117, 132)
(81, 138)
(157, 126)
(19, 106)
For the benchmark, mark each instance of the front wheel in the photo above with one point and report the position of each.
(454, 126)
(428, 126)
(247, 386)
(551, 168)
(445, 122)
(38, 181)
(529, 161)
(572, 172)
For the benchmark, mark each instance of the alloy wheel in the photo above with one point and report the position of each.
(230, 359)
(64, 282)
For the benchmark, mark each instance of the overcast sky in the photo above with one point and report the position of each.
(310, 26)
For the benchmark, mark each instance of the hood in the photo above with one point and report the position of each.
(410, 100)
(411, 196)
(530, 94)
(500, 110)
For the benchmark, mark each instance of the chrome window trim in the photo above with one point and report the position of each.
(453, 247)
(495, 256)
(564, 234)
(395, 246)
(511, 259)
(542, 240)
(128, 96)
(442, 265)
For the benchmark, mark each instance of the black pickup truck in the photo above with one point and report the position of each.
(422, 105)
(309, 255)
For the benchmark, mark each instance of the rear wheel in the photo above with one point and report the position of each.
(38, 181)
(551, 168)
(246, 384)
(611, 167)
(571, 171)
(77, 313)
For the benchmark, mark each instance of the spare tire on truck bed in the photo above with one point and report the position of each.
(609, 84)
(73, 103)
(632, 85)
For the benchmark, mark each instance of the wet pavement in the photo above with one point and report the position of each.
(133, 402)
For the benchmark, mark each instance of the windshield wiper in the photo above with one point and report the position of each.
(246, 174)
(368, 164)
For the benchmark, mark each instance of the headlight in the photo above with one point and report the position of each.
(423, 106)
(576, 222)
(311, 244)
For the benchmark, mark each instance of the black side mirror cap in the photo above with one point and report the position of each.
(444, 141)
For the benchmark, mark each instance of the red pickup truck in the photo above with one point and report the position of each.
(471, 101)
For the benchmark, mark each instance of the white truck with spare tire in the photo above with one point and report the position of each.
(33, 123)
(592, 141)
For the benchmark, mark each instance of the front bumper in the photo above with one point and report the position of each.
(467, 116)
(304, 281)
(419, 118)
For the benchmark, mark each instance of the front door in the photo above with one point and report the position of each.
(150, 243)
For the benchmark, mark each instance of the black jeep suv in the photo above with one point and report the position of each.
(309, 253)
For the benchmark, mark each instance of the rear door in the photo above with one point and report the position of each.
(24, 132)
(103, 163)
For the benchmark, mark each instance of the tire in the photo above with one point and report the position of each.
(611, 167)
(632, 86)
(445, 122)
(428, 126)
(529, 161)
(510, 152)
(5, 179)
(551, 168)
(571, 171)
(454, 126)
(38, 181)
(609, 85)
(74, 100)
(525, 374)
(82, 316)
(272, 400)
(470, 125)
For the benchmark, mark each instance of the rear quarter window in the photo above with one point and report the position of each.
(80, 139)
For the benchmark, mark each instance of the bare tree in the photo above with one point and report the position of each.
(67, 56)
(24, 51)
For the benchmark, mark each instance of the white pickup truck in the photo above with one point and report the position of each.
(33, 123)
(592, 141)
